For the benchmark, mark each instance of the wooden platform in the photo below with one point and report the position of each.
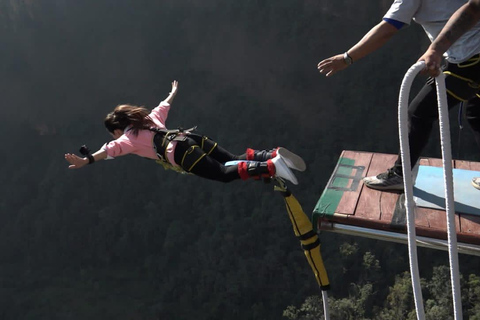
(347, 202)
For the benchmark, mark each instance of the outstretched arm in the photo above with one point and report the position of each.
(172, 93)
(370, 42)
(459, 23)
(77, 162)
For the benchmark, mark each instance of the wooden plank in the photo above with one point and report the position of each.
(370, 202)
(470, 224)
(462, 164)
(388, 202)
(431, 218)
(349, 199)
(433, 162)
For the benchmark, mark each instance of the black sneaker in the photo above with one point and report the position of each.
(385, 181)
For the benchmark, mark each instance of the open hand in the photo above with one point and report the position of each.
(75, 161)
(332, 65)
(174, 87)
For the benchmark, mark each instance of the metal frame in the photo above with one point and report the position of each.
(425, 242)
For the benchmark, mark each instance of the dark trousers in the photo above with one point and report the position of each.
(210, 166)
(423, 110)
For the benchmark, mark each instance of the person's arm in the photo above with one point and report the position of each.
(371, 42)
(160, 113)
(172, 93)
(77, 162)
(459, 23)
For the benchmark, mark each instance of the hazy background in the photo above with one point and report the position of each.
(127, 240)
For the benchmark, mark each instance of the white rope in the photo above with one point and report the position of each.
(444, 124)
(408, 185)
(448, 183)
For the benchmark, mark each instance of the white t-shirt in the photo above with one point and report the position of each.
(432, 15)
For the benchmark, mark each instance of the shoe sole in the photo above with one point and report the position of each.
(389, 188)
(394, 187)
(292, 160)
(476, 186)
(283, 171)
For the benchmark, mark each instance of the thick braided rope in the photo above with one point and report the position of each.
(448, 183)
(408, 184)
(444, 124)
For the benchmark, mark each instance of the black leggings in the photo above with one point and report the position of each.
(210, 166)
(423, 110)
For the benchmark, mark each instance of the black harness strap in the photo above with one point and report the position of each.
(312, 245)
(163, 137)
(308, 235)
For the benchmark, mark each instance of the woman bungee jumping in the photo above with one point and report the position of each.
(137, 131)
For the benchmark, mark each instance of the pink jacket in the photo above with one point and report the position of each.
(142, 144)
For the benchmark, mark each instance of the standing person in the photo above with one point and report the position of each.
(461, 21)
(137, 131)
(462, 69)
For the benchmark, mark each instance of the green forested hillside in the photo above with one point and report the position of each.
(125, 239)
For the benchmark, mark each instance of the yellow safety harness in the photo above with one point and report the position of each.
(190, 158)
(472, 84)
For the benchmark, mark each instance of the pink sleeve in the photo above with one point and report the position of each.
(119, 147)
(160, 113)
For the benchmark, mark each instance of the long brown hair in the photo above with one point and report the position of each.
(125, 115)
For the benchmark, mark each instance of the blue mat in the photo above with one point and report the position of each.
(429, 190)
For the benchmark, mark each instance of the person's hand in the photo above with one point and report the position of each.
(433, 61)
(75, 161)
(332, 65)
(174, 87)
(172, 93)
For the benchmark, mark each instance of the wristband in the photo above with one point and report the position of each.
(86, 152)
(91, 159)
